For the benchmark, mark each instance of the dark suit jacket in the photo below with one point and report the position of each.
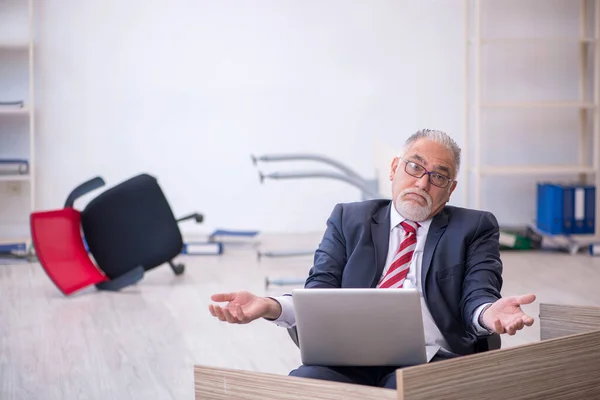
(461, 261)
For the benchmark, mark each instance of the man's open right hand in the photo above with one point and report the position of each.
(243, 307)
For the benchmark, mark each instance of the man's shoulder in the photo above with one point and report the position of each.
(365, 207)
(462, 214)
(355, 216)
(360, 212)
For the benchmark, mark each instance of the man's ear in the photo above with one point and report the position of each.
(452, 188)
(393, 168)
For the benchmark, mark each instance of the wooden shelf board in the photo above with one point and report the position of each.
(14, 178)
(538, 104)
(534, 39)
(14, 45)
(14, 111)
(535, 169)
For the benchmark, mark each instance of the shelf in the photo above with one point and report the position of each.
(14, 111)
(535, 169)
(14, 45)
(532, 39)
(17, 124)
(539, 104)
(14, 178)
(580, 52)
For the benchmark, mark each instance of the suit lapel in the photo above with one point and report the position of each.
(380, 233)
(437, 228)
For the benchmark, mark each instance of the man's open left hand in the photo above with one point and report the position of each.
(506, 315)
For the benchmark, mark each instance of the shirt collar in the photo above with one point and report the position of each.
(396, 219)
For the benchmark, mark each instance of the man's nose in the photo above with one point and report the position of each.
(423, 182)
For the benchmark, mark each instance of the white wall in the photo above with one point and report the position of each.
(186, 90)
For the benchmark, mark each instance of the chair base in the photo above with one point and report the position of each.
(129, 278)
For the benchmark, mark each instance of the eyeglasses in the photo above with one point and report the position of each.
(416, 170)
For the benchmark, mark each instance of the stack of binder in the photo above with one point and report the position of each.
(10, 166)
(202, 248)
(520, 239)
(566, 209)
(14, 250)
(12, 104)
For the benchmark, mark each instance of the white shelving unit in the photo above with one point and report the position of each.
(586, 136)
(17, 124)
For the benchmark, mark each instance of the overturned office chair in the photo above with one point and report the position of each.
(129, 229)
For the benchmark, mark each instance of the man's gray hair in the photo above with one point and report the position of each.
(438, 137)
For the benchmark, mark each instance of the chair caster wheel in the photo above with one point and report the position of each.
(178, 269)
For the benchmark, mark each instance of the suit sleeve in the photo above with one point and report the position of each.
(330, 256)
(483, 269)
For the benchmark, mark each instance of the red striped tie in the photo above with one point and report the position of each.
(398, 270)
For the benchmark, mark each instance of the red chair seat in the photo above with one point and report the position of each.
(60, 250)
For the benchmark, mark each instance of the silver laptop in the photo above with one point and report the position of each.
(361, 327)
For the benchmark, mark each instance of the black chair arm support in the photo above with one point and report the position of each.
(127, 279)
(83, 189)
(293, 332)
(198, 217)
(492, 342)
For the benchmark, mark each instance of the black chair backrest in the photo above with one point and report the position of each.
(131, 225)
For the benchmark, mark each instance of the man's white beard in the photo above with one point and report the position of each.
(410, 209)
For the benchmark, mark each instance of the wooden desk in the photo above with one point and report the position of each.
(563, 365)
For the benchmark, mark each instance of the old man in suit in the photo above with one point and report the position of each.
(415, 240)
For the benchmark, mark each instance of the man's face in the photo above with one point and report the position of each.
(416, 198)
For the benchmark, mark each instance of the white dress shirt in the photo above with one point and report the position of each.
(433, 336)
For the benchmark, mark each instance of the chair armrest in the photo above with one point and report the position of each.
(198, 217)
(293, 332)
(83, 189)
(491, 342)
